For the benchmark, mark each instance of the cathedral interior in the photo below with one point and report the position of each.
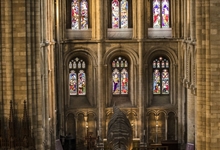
(64, 64)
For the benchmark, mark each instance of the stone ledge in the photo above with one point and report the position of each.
(78, 34)
(159, 32)
(120, 33)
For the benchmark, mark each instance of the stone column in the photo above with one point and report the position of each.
(100, 75)
(176, 126)
(166, 126)
(185, 19)
(192, 20)
(140, 27)
(190, 117)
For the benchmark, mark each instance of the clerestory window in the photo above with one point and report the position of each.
(120, 14)
(161, 13)
(79, 14)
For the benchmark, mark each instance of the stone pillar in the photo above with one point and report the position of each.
(190, 117)
(192, 20)
(147, 128)
(166, 126)
(205, 103)
(140, 27)
(100, 75)
(185, 19)
(176, 127)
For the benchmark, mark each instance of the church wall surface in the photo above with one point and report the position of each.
(36, 45)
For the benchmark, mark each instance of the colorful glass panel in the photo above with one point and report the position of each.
(165, 82)
(124, 81)
(115, 14)
(72, 83)
(84, 14)
(124, 14)
(165, 13)
(75, 14)
(156, 13)
(116, 82)
(81, 83)
(156, 81)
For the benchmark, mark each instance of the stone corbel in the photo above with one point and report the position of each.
(188, 84)
(45, 43)
(193, 89)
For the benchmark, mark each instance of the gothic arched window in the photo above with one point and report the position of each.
(79, 14)
(119, 76)
(77, 77)
(161, 14)
(160, 76)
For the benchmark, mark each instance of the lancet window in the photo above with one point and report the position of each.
(79, 14)
(161, 14)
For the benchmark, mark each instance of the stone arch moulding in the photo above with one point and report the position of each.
(148, 58)
(82, 51)
(132, 58)
(91, 61)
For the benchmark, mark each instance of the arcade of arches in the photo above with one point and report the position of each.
(72, 60)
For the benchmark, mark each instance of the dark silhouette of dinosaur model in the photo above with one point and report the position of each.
(119, 134)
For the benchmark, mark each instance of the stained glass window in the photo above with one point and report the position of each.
(124, 81)
(161, 14)
(79, 14)
(124, 14)
(120, 76)
(116, 81)
(81, 83)
(160, 76)
(119, 14)
(165, 13)
(77, 77)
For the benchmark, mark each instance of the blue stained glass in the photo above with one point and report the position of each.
(116, 82)
(165, 13)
